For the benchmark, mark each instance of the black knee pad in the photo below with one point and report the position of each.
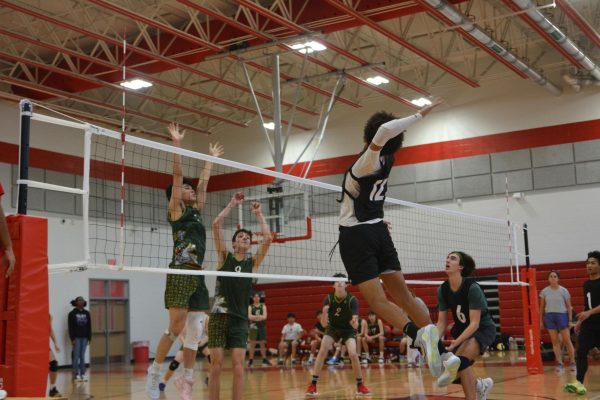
(464, 363)
(53, 366)
(174, 365)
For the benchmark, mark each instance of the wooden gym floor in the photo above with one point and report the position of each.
(389, 381)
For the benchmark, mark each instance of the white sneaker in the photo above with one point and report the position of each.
(427, 339)
(484, 386)
(152, 381)
(381, 360)
(184, 387)
(451, 364)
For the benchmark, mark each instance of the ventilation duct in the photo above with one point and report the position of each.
(559, 37)
(481, 36)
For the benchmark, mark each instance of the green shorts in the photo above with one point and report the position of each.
(186, 291)
(338, 334)
(227, 331)
(258, 332)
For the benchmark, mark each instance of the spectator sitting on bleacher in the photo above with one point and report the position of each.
(290, 338)
(374, 334)
(316, 335)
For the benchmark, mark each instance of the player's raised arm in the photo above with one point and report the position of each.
(215, 150)
(217, 226)
(261, 253)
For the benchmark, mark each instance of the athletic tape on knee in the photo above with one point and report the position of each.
(172, 337)
(194, 328)
(174, 365)
(53, 366)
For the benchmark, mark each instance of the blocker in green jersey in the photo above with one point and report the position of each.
(473, 331)
(185, 295)
(228, 324)
(340, 319)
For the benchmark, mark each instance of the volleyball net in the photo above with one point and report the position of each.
(125, 226)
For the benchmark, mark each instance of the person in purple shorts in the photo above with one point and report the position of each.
(555, 305)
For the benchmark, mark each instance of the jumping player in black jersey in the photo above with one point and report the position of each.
(588, 322)
(366, 246)
(473, 331)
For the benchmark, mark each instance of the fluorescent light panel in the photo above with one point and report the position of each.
(308, 47)
(421, 102)
(136, 84)
(377, 80)
(269, 125)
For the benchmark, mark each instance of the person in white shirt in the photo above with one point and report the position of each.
(290, 338)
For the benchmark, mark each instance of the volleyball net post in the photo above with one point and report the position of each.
(531, 313)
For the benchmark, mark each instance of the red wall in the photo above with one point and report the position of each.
(304, 298)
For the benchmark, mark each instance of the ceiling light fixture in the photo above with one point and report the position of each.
(136, 84)
(422, 102)
(308, 47)
(377, 80)
(269, 125)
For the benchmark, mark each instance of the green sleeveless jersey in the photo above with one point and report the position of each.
(232, 295)
(189, 239)
(340, 311)
(258, 310)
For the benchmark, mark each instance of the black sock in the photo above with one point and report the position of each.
(315, 378)
(464, 363)
(358, 381)
(410, 329)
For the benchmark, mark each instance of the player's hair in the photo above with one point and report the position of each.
(466, 261)
(169, 189)
(373, 124)
(595, 254)
(240, 231)
(339, 275)
(291, 315)
(371, 312)
(76, 299)
(553, 271)
(318, 313)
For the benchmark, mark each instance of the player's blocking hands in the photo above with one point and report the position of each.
(176, 135)
(237, 199)
(216, 150)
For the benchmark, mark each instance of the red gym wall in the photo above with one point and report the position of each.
(304, 298)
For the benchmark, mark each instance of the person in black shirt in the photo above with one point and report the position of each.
(80, 332)
(366, 246)
(588, 322)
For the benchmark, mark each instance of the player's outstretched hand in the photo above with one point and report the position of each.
(176, 135)
(255, 207)
(216, 150)
(237, 199)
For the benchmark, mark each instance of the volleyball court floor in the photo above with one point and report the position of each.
(388, 381)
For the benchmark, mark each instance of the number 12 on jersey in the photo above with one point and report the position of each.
(378, 188)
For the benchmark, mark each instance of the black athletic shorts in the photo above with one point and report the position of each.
(485, 336)
(367, 251)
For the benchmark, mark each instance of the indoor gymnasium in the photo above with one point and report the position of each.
(300, 199)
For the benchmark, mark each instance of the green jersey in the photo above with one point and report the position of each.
(469, 296)
(258, 310)
(341, 311)
(232, 295)
(189, 239)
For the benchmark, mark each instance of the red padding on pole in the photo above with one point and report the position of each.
(531, 318)
(24, 326)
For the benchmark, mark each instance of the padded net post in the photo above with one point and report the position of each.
(24, 314)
